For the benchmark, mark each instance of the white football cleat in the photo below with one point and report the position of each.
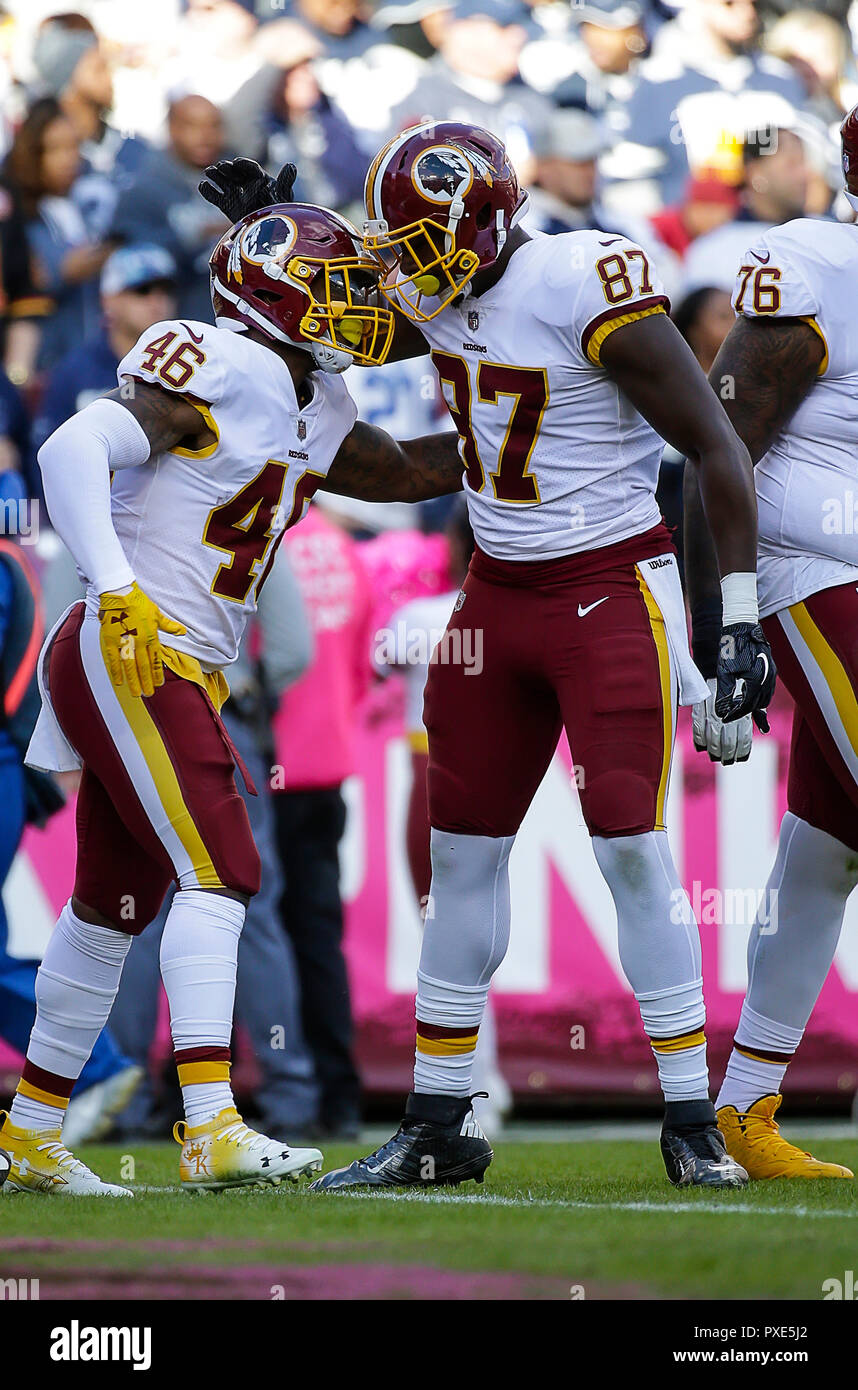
(224, 1152)
(41, 1163)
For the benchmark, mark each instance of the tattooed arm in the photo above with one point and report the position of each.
(763, 372)
(375, 468)
(770, 366)
(165, 418)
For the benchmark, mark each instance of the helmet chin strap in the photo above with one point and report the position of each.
(328, 359)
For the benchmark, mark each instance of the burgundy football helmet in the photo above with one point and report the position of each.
(849, 147)
(300, 274)
(441, 199)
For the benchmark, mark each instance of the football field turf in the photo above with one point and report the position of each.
(557, 1220)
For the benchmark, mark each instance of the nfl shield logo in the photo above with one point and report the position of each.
(302, 429)
(473, 320)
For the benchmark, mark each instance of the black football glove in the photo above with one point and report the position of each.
(237, 187)
(746, 674)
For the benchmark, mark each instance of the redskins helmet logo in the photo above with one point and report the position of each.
(442, 173)
(271, 239)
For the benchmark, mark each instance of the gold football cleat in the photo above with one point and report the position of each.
(224, 1152)
(41, 1163)
(754, 1140)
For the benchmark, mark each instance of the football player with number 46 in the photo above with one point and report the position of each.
(563, 375)
(216, 438)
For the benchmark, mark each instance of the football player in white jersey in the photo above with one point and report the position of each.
(216, 438)
(791, 364)
(563, 374)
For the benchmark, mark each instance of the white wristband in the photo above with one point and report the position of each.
(739, 598)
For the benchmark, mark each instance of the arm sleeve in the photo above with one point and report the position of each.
(76, 464)
(287, 637)
(619, 283)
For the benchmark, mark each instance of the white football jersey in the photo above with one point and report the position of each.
(807, 483)
(201, 527)
(557, 460)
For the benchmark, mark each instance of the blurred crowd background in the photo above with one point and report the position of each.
(685, 126)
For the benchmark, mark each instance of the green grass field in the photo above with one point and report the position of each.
(592, 1219)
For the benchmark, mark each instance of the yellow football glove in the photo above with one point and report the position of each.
(129, 639)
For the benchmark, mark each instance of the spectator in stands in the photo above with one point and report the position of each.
(593, 65)
(706, 79)
(18, 469)
(774, 189)
(162, 204)
(214, 48)
(563, 192)
(341, 26)
(23, 305)
(475, 78)
(72, 66)
(817, 48)
(41, 172)
(281, 114)
(138, 288)
(314, 732)
(704, 318)
(708, 203)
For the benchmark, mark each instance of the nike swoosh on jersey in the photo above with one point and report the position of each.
(190, 334)
(611, 242)
(582, 612)
(764, 260)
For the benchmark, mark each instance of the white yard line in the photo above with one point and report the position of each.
(490, 1199)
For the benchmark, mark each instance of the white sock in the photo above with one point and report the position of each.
(749, 1075)
(26, 1113)
(202, 1102)
(76, 985)
(790, 950)
(465, 937)
(199, 955)
(659, 947)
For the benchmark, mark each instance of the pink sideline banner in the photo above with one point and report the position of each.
(567, 1022)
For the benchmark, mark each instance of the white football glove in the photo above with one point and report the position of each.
(725, 743)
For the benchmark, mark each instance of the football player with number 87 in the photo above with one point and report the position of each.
(563, 374)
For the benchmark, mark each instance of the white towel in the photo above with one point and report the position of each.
(49, 750)
(661, 576)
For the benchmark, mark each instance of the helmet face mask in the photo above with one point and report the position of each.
(441, 199)
(421, 265)
(299, 274)
(344, 312)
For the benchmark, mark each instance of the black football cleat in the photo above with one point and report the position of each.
(438, 1144)
(693, 1149)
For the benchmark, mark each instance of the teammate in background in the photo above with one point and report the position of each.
(416, 628)
(563, 374)
(792, 360)
(174, 554)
